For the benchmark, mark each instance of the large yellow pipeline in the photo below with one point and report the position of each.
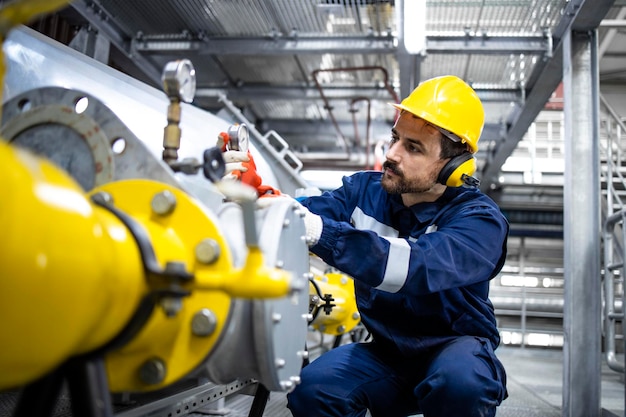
(182, 233)
(68, 307)
(72, 276)
(70, 273)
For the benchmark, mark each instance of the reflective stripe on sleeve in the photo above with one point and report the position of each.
(363, 221)
(397, 265)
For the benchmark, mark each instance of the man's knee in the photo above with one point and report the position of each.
(466, 377)
(314, 400)
(316, 395)
(301, 399)
(455, 395)
(457, 386)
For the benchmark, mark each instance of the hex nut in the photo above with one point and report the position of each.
(152, 371)
(203, 323)
(163, 203)
(207, 251)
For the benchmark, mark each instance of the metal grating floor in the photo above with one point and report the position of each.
(522, 402)
(534, 384)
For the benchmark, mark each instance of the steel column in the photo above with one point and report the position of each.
(582, 308)
(409, 65)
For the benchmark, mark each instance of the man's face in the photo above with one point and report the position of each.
(413, 160)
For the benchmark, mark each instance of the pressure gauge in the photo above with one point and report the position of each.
(179, 80)
(238, 137)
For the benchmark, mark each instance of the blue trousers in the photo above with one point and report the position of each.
(462, 378)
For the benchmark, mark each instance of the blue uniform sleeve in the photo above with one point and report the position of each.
(467, 246)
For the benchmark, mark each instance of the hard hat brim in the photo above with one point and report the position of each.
(450, 135)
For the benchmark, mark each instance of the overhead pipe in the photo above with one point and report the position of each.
(367, 126)
(327, 105)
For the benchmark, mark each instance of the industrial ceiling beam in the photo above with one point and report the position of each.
(486, 44)
(436, 44)
(107, 27)
(266, 45)
(300, 131)
(579, 15)
(287, 92)
(308, 127)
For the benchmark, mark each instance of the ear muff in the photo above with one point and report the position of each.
(458, 171)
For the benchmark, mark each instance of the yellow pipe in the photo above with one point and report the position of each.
(177, 225)
(70, 273)
(253, 280)
(72, 276)
(344, 315)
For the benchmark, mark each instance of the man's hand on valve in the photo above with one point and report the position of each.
(313, 223)
(240, 166)
(235, 164)
(234, 159)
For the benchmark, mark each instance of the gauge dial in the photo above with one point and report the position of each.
(239, 137)
(179, 80)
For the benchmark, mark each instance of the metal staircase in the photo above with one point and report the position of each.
(528, 293)
(613, 178)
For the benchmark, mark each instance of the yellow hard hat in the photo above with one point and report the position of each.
(450, 104)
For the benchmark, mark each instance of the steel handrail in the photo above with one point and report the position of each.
(614, 250)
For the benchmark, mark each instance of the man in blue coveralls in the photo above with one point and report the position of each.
(422, 243)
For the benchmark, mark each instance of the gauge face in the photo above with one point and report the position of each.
(179, 80)
(239, 137)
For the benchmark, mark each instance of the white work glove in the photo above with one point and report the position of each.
(234, 164)
(313, 224)
(234, 160)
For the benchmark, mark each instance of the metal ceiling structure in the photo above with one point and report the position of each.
(322, 72)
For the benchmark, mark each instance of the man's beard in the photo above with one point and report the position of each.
(400, 185)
